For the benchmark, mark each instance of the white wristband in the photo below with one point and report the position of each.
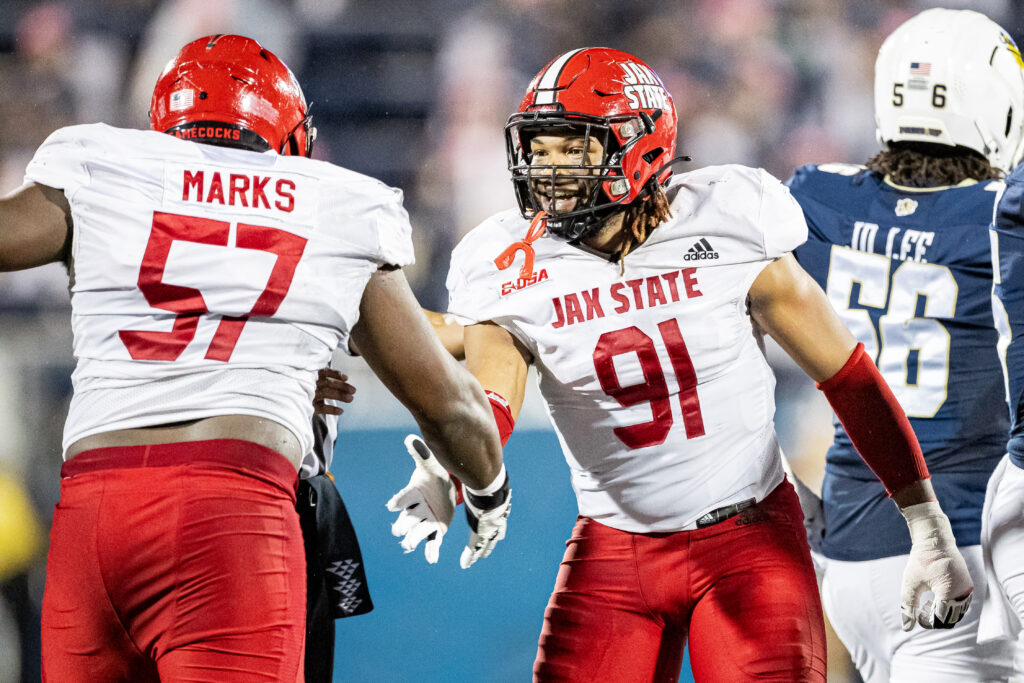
(493, 487)
(927, 520)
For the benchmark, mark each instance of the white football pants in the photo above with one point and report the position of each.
(862, 600)
(1002, 542)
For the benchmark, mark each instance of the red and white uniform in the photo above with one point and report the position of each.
(176, 244)
(204, 281)
(655, 380)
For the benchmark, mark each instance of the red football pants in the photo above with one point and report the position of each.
(743, 591)
(178, 562)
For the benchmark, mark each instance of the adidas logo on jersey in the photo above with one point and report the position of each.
(701, 251)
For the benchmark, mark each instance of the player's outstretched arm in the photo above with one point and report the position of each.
(399, 345)
(500, 363)
(425, 505)
(35, 227)
(787, 304)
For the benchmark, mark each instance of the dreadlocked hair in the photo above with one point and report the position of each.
(641, 217)
(922, 164)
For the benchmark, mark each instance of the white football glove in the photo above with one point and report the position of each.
(487, 514)
(426, 504)
(935, 565)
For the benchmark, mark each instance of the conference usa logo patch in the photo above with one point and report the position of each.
(524, 282)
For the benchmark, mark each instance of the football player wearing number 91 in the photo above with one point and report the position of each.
(901, 249)
(214, 269)
(641, 297)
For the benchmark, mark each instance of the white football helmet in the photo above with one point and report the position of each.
(952, 77)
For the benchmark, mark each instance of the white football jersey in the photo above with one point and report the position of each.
(656, 380)
(210, 281)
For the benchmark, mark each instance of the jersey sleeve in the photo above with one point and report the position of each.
(394, 233)
(369, 217)
(1008, 274)
(60, 162)
(472, 297)
(780, 217)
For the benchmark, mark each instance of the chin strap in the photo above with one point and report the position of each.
(671, 162)
(525, 245)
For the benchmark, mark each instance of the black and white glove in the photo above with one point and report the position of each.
(935, 565)
(426, 504)
(487, 513)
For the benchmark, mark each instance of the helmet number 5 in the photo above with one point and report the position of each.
(187, 302)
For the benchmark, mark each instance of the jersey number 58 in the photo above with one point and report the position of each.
(911, 347)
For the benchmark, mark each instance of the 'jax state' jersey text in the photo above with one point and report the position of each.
(1008, 269)
(655, 380)
(909, 272)
(210, 281)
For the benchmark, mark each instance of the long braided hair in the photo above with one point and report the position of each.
(641, 217)
(921, 164)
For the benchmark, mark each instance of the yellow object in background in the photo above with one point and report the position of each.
(20, 532)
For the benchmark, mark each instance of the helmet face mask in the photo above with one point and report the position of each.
(601, 97)
(228, 90)
(954, 78)
(571, 194)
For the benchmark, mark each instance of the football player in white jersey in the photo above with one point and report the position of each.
(901, 248)
(642, 298)
(214, 269)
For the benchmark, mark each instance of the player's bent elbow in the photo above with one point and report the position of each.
(467, 406)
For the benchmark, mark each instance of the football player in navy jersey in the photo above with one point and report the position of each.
(900, 247)
(1002, 529)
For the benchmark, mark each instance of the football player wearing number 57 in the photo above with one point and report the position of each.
(214, 269)
(901, 249)
(641, 297)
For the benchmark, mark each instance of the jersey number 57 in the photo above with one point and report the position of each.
(187, 302)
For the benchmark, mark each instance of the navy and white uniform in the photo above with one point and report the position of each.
(1002, 535)
(908, 270)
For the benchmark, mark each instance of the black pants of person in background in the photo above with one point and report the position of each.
(335, 577)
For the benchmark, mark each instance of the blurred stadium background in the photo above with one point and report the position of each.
(415, 92)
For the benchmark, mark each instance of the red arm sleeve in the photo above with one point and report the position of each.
(502, 416)
(875, 422)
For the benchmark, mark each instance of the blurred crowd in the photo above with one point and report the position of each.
(416, 93)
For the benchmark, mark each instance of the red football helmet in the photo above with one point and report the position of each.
(229, 90)
(603, 94)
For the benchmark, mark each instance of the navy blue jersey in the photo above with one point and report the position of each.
(910, 274)
(1008, 262)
